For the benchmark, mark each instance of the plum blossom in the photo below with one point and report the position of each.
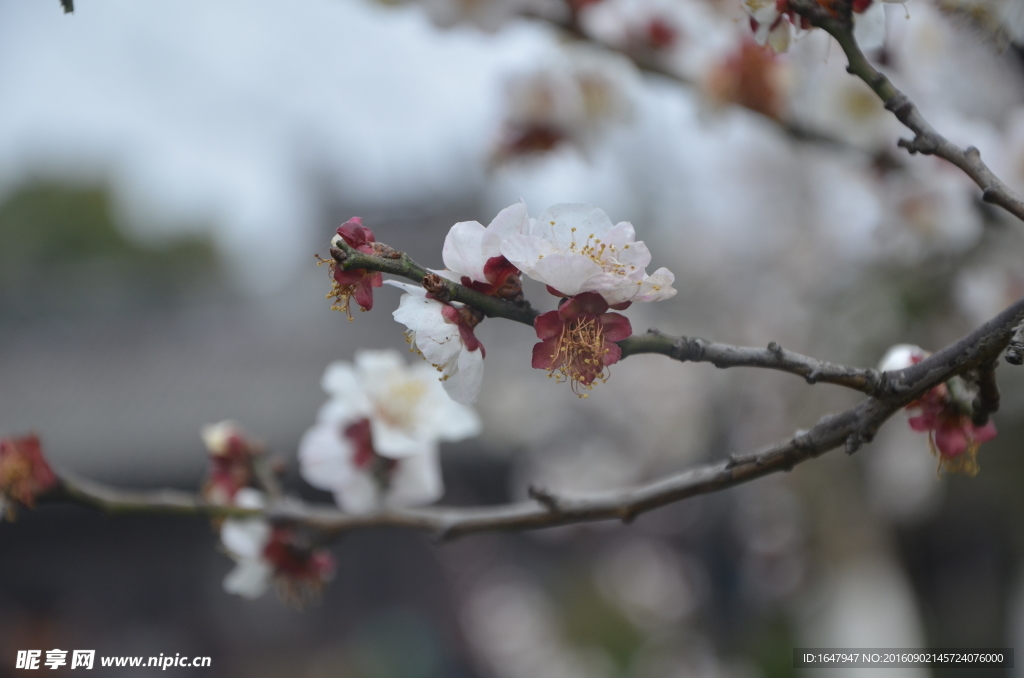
(472, 253)
(751, 76)
(578, 340)
(645, 28)
(24, 472)
(869, 23)
(443, 332)
(944, 412)
(773, 22)
(358, 283)
(573, 100)
(264, 553)
(231, 454)
(574, 248)
(375, 442)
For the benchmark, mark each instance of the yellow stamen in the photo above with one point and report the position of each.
(341, 294)
(966, 462)
(579, 355)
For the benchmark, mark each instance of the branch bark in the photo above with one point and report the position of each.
(850, 429)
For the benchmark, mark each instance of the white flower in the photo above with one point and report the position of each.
(376, 440)
(443, 333)
(469, 246)
(575, 98)
(575, 248)
(771, 26)
(361, 480)
(407, 408)
(869, 26)
(245, 540)
(264, 553)
(444, 338)
(900, 357)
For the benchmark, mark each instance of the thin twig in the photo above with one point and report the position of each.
(926, 139)
(774, 357)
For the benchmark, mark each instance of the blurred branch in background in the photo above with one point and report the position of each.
(927, 140)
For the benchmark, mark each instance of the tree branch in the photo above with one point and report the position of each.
(493, 307)
(685, 349)
(926, 139)
(850, 429)
(695, 349)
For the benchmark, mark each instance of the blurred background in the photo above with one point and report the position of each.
(167, 172)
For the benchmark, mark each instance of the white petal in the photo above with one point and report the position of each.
(900, 356)
(436, 338)
(342, 411)
(567, 273)
(358, 495)
(614, 288)
(215, 436)
(869, 27)
(339, 377)
(348, 398)
(396, 442)
(463, 250)
(621, 234)
(325, 457)
(249, 579)
(765, 14)
(778, 37)
(416, 290)
(250, 498)
(374, 365)
(635, 257)
(464, 382)
(513, 220)
(557, 223)
(245, 537)
(416, 481)
(657, 286)
(455, 421)
(524, 251)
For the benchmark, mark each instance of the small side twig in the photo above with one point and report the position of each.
(927, 140)
(1015, 351)
(774, 357)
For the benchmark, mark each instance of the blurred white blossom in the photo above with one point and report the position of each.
(376, 440)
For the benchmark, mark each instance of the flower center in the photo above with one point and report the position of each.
(400, 401)
(602, 254)
(340, 294)
(579, 354)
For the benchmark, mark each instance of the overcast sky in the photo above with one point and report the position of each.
(214, 113)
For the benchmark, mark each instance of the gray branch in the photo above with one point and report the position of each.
(848, 429)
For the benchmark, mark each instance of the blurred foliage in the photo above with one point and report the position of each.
(590, 621)
(63, 251)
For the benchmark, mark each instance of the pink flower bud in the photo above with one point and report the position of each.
(24, 473)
